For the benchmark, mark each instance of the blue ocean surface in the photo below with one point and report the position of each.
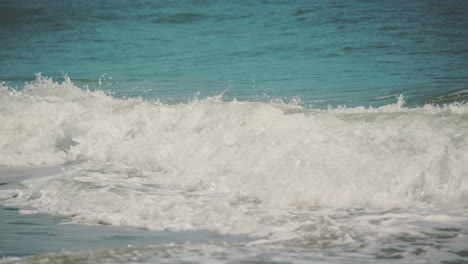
(201, 131)
(322, 52)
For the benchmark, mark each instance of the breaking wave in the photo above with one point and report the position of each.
(269, 170)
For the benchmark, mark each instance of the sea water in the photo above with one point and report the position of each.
(234, 132)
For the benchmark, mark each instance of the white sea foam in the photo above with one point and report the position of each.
(270, 170)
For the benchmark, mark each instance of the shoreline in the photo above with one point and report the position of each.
(23, 235)
(32, 234)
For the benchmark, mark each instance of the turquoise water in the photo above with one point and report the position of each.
(323, 52)
(233, 131)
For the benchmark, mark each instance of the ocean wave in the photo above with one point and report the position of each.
(261, 169)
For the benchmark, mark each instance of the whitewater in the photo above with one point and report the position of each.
(300, 184)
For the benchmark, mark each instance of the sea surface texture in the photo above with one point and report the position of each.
(234, 131)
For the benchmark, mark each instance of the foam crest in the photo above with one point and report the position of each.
(261, 169)
(37, 119)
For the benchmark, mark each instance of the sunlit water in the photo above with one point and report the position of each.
(270, 132)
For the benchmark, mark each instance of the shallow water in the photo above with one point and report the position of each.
(31, 234)
(24, 233)
(213, 132)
